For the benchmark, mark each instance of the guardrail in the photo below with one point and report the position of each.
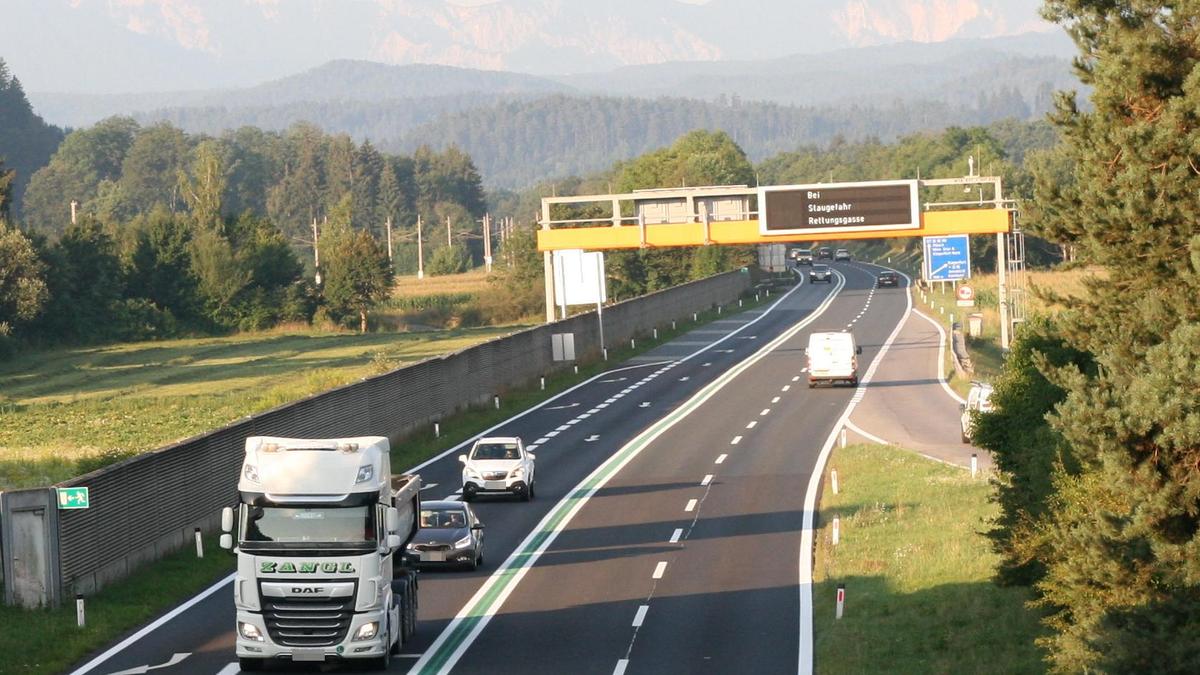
(148, 506)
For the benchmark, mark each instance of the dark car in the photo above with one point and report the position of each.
(820, 273)
(803, 256)
(887, 279)
(824, 253)
(449, 534)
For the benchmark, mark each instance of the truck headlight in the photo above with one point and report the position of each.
(365, 473)
(249, 631)
(367, 631)
(251, 473)
(463, 543)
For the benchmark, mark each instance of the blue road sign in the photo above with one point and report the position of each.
(947, 258)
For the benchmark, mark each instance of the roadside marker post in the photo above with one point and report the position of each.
(718, 310)
(656, 334)
(837, 530)
(842, 437)
(603, 352)
(437, 430)
(199, 544)
(695, 317)
(841, 600)
(543, 379)
(576, 369)
(496, 401)
(632, 343)
(974, 464)
(672, 324)
(833, 480)
(80, 617)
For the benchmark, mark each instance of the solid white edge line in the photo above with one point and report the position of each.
(155, 625)
(804, 659)
(866, 434)
(941, 356)
(703, 395)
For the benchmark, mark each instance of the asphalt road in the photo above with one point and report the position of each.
(665, 536)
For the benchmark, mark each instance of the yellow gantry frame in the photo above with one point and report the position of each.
(603, 237)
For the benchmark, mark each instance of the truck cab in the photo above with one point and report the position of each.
(319, 532)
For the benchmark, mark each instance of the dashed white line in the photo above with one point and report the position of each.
(561, 428)
(691, 506)
(621, 666)
(640, 616)
(609, 400)
(765, 411)
(542, 440)
(675, 536)
(786, 387)
(659, 570)
(531, 447)
(707, 479)
(797, 378)
(706, 364)
(584, 416)
(601, 406)
(775, 400)
(685, 378)
(752, 424)
(803, 370)
(736, 440)
(551, 434)
(721, 459)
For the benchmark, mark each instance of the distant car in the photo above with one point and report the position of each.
(979, 400)
(804, 256)
(841, 254)
(887, 279)
(450, 534)
(824, 253)
(820, 273)
(498, 464)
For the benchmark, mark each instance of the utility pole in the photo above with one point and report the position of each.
(487, 242)
(316, 251)
(389, 237)
(420, 252)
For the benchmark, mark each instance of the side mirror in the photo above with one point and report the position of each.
(477, 526)
(530, 455)
(393, 541)
(858, 350)
(392, 519)
(962, 407)
(227, 519)
(227, 541)
(462, 458)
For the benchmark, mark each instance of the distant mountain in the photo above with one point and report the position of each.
(105, 46)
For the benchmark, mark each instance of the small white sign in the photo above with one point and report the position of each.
(578, 278)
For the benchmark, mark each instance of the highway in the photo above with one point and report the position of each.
(668, 531)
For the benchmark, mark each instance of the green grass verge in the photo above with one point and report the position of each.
(48, 641)
(919, 595)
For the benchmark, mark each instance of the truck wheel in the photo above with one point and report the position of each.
(532, 494)
(249, 664)
(527, 493)
(412, 610)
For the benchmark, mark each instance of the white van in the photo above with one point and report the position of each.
(979, 400)
(832, 358)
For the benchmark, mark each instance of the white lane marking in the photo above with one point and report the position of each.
(797, 378)
(584, 416)
(803, 370)
(748, 337)
(659, 570)
(707, 479)
(478, 611)
(805, 656)
(591, 439)
(765, 411)
(140, 670)
(563, 407)
(573, 422)
(941, 355)
(529, 448)
(615, 379)
(675, 536)
(453, 498)
(230, 669)
(644, 404)
(723, 351)
(612, 399)
(551, 434)
(685, 378)
(621, 666)
(721, 459)
(155, 625)
(786, 387)
(640, 616)
(775, 400)
(706, 364)
(752, 424)
(736, 440)
(691, 506)
(428, 486)
(601, 406)
(542, 440)
(562, 427)
(409, 656)
(865, 434)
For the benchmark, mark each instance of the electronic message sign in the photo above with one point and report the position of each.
(838, 207)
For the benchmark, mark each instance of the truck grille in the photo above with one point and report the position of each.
(308, 622)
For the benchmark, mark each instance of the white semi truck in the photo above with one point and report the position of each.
(319, 534)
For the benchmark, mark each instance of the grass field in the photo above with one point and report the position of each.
(919, 598)
(67, 411)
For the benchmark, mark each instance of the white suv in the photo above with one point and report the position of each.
(498, 464)
(978, 401)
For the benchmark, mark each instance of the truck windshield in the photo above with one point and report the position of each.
(344, 525)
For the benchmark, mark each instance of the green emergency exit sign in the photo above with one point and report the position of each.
(73, 498)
